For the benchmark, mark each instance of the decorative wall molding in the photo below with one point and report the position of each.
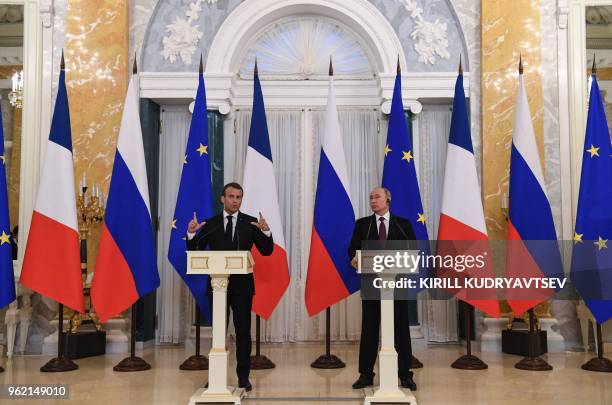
(430, 38)
(183, 37)
(228, 48)
(227, 89)
(11, 55)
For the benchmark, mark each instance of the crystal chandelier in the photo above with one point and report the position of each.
(16, 95)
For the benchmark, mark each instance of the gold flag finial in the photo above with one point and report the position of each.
(520, 63)
(256, 69)
(331, 66)
(399, 69)
(62, 63)
(460, 66)
(594, 68)
(201, 65)
(135, 66)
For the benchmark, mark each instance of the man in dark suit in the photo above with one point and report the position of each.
(382, 225)
(233, 230)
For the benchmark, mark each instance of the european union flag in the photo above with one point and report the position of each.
(7, 280)
(194, 198)
(592, 254)
(399, 171)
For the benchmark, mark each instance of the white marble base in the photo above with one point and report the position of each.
(117, 340)
(401, 396)
(490, 340)
(205, 339)
(234, 396)
(416, 332)
(555, 341)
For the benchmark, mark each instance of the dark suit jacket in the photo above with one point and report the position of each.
(366, 228)
(212, 235)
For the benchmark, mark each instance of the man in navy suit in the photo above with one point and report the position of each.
(233, 230)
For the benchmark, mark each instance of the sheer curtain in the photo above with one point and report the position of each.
(363, 144)
(173, 297)
(439, 318)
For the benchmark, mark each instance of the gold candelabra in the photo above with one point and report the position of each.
(91, 205)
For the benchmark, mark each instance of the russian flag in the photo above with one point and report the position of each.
(462, 226)
(126, 266)
(533, 251)
(330, 277)
(52, 262)
(271, 273)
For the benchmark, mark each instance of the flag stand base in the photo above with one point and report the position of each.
(58, 365)
(328, 361)
(533, 364)
(132, 364)
(261, 363)
(469, 362)
(415, 363)
(602, 365)
(195, 363)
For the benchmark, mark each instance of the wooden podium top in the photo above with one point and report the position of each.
(220, 262)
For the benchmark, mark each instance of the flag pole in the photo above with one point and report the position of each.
(327, 360)
(531, 362)
(197, 361)
(132, 363)
(259, 361)
(468, 361)
(61, 362)
(600, 363)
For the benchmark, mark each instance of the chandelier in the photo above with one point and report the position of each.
(16, 95)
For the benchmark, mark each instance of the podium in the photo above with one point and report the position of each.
(388, 391)
(219, 265)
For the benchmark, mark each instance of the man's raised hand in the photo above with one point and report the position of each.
(261, 224)
(194, 225)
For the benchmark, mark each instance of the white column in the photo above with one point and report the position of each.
(217, 376)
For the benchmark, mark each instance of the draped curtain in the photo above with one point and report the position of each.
(364, 134)
(438, 317)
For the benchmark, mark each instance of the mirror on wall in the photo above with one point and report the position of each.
(11, 103)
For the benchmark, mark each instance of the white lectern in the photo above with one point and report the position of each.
(219, 265)
(388, 391)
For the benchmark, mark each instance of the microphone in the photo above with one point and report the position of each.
(200, 238)
(401, 230)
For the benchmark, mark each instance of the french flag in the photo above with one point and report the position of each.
(533, 251)
(462, 228)
(126, 266)
(52, 263)
(271, 273)
(330, 277)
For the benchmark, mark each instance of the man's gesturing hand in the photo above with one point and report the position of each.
(194, 225)
(261, 224)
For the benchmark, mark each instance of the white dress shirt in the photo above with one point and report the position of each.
(234, 216)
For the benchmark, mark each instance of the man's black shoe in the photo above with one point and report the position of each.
(408, 383)
(245, 383)
(363, 381)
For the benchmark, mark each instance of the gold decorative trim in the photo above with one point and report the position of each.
(234, 262)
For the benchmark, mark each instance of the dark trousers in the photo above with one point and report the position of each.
(240, 305)
(370, 327)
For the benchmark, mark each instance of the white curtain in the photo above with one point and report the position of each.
(438, 317)
(363, 147)
(174, 300)
(364, 134)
